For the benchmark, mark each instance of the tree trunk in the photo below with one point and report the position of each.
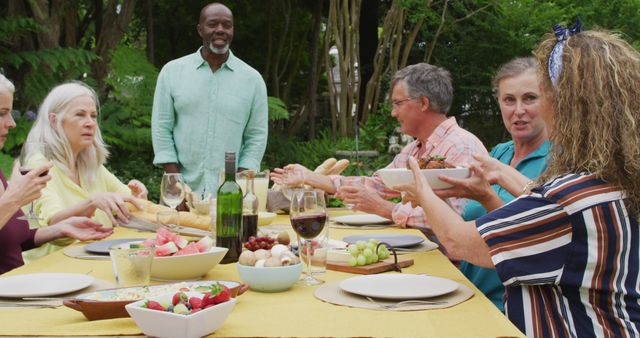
(368, 46)
(341, 27)
(277, 58)
(108, 36)
(71, 24)
(309, 114)
(49, 16)
(391, 21)
(148, 9)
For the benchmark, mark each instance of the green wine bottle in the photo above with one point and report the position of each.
(229, 212)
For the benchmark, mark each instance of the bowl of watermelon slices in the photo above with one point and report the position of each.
(178, 258)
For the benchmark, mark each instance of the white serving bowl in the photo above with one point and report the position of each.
(186, 266)
(168, 324)
(270, 279)
(396, 176)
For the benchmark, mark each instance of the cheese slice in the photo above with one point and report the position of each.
(338, 256)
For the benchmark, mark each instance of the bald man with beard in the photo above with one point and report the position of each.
(207, 103)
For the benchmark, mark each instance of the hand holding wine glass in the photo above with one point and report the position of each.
(308, 215)
(292, 179)
(34, 155)
(26, 188)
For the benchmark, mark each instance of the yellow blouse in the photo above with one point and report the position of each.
(61, 193)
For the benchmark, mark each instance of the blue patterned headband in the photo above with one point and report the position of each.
(555, 58)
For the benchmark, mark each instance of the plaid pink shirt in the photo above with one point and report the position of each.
(448, 140)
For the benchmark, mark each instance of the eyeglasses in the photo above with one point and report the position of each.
(396, 104)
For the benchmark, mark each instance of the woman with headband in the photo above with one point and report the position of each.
(568, 251)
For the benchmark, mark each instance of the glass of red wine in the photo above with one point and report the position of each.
(33, 156)
(308, 216)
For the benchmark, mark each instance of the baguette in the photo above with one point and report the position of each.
(182, 218)
(339, 167)
(190, 220)
(149, 207)
(325, 167)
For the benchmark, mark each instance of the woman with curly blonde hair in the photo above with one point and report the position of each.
(568, 251)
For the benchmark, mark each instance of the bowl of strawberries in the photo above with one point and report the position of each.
(183, 314)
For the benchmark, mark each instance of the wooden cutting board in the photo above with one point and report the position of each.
(383, 266)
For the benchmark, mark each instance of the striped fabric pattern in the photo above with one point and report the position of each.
(568, 255)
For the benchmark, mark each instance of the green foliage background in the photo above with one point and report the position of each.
(472, 50)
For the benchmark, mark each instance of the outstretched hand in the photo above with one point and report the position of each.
(491, 167)
(284, 177)
(83, 228)
(475, 187)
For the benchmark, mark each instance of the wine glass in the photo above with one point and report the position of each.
(172, 189)
(292, 180)
(351, 181)
(308, 215)
(32, 156)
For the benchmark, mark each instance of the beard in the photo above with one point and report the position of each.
(218, 50)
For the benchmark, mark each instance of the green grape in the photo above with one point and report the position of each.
(353, 250)
(367, 252)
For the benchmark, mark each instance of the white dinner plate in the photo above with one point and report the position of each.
(398, 286)
(43, 284)
(395, 240)
(361, 219)
(102, 247)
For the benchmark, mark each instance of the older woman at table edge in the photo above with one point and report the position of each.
(80, 184)
(518, 93)
(15, 234)
(421, 96)
(567, 252)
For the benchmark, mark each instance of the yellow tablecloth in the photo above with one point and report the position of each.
(292, 313)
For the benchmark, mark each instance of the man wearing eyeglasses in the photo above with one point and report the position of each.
(421, 96)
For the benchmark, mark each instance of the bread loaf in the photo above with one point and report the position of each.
(182, 218)
(339, 167)
(190, 220)
(325, 167)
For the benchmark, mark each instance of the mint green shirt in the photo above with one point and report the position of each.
(198, 115)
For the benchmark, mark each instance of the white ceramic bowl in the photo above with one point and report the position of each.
(265, 218)
(186, 266)
(167, 324)
(271, 279)
(395, 176)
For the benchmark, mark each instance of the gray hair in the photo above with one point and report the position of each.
(6, 85)
(433, 82)
(57, 103)
(513, 68)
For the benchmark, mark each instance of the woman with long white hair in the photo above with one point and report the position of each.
(15, 235)
(80, 186)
